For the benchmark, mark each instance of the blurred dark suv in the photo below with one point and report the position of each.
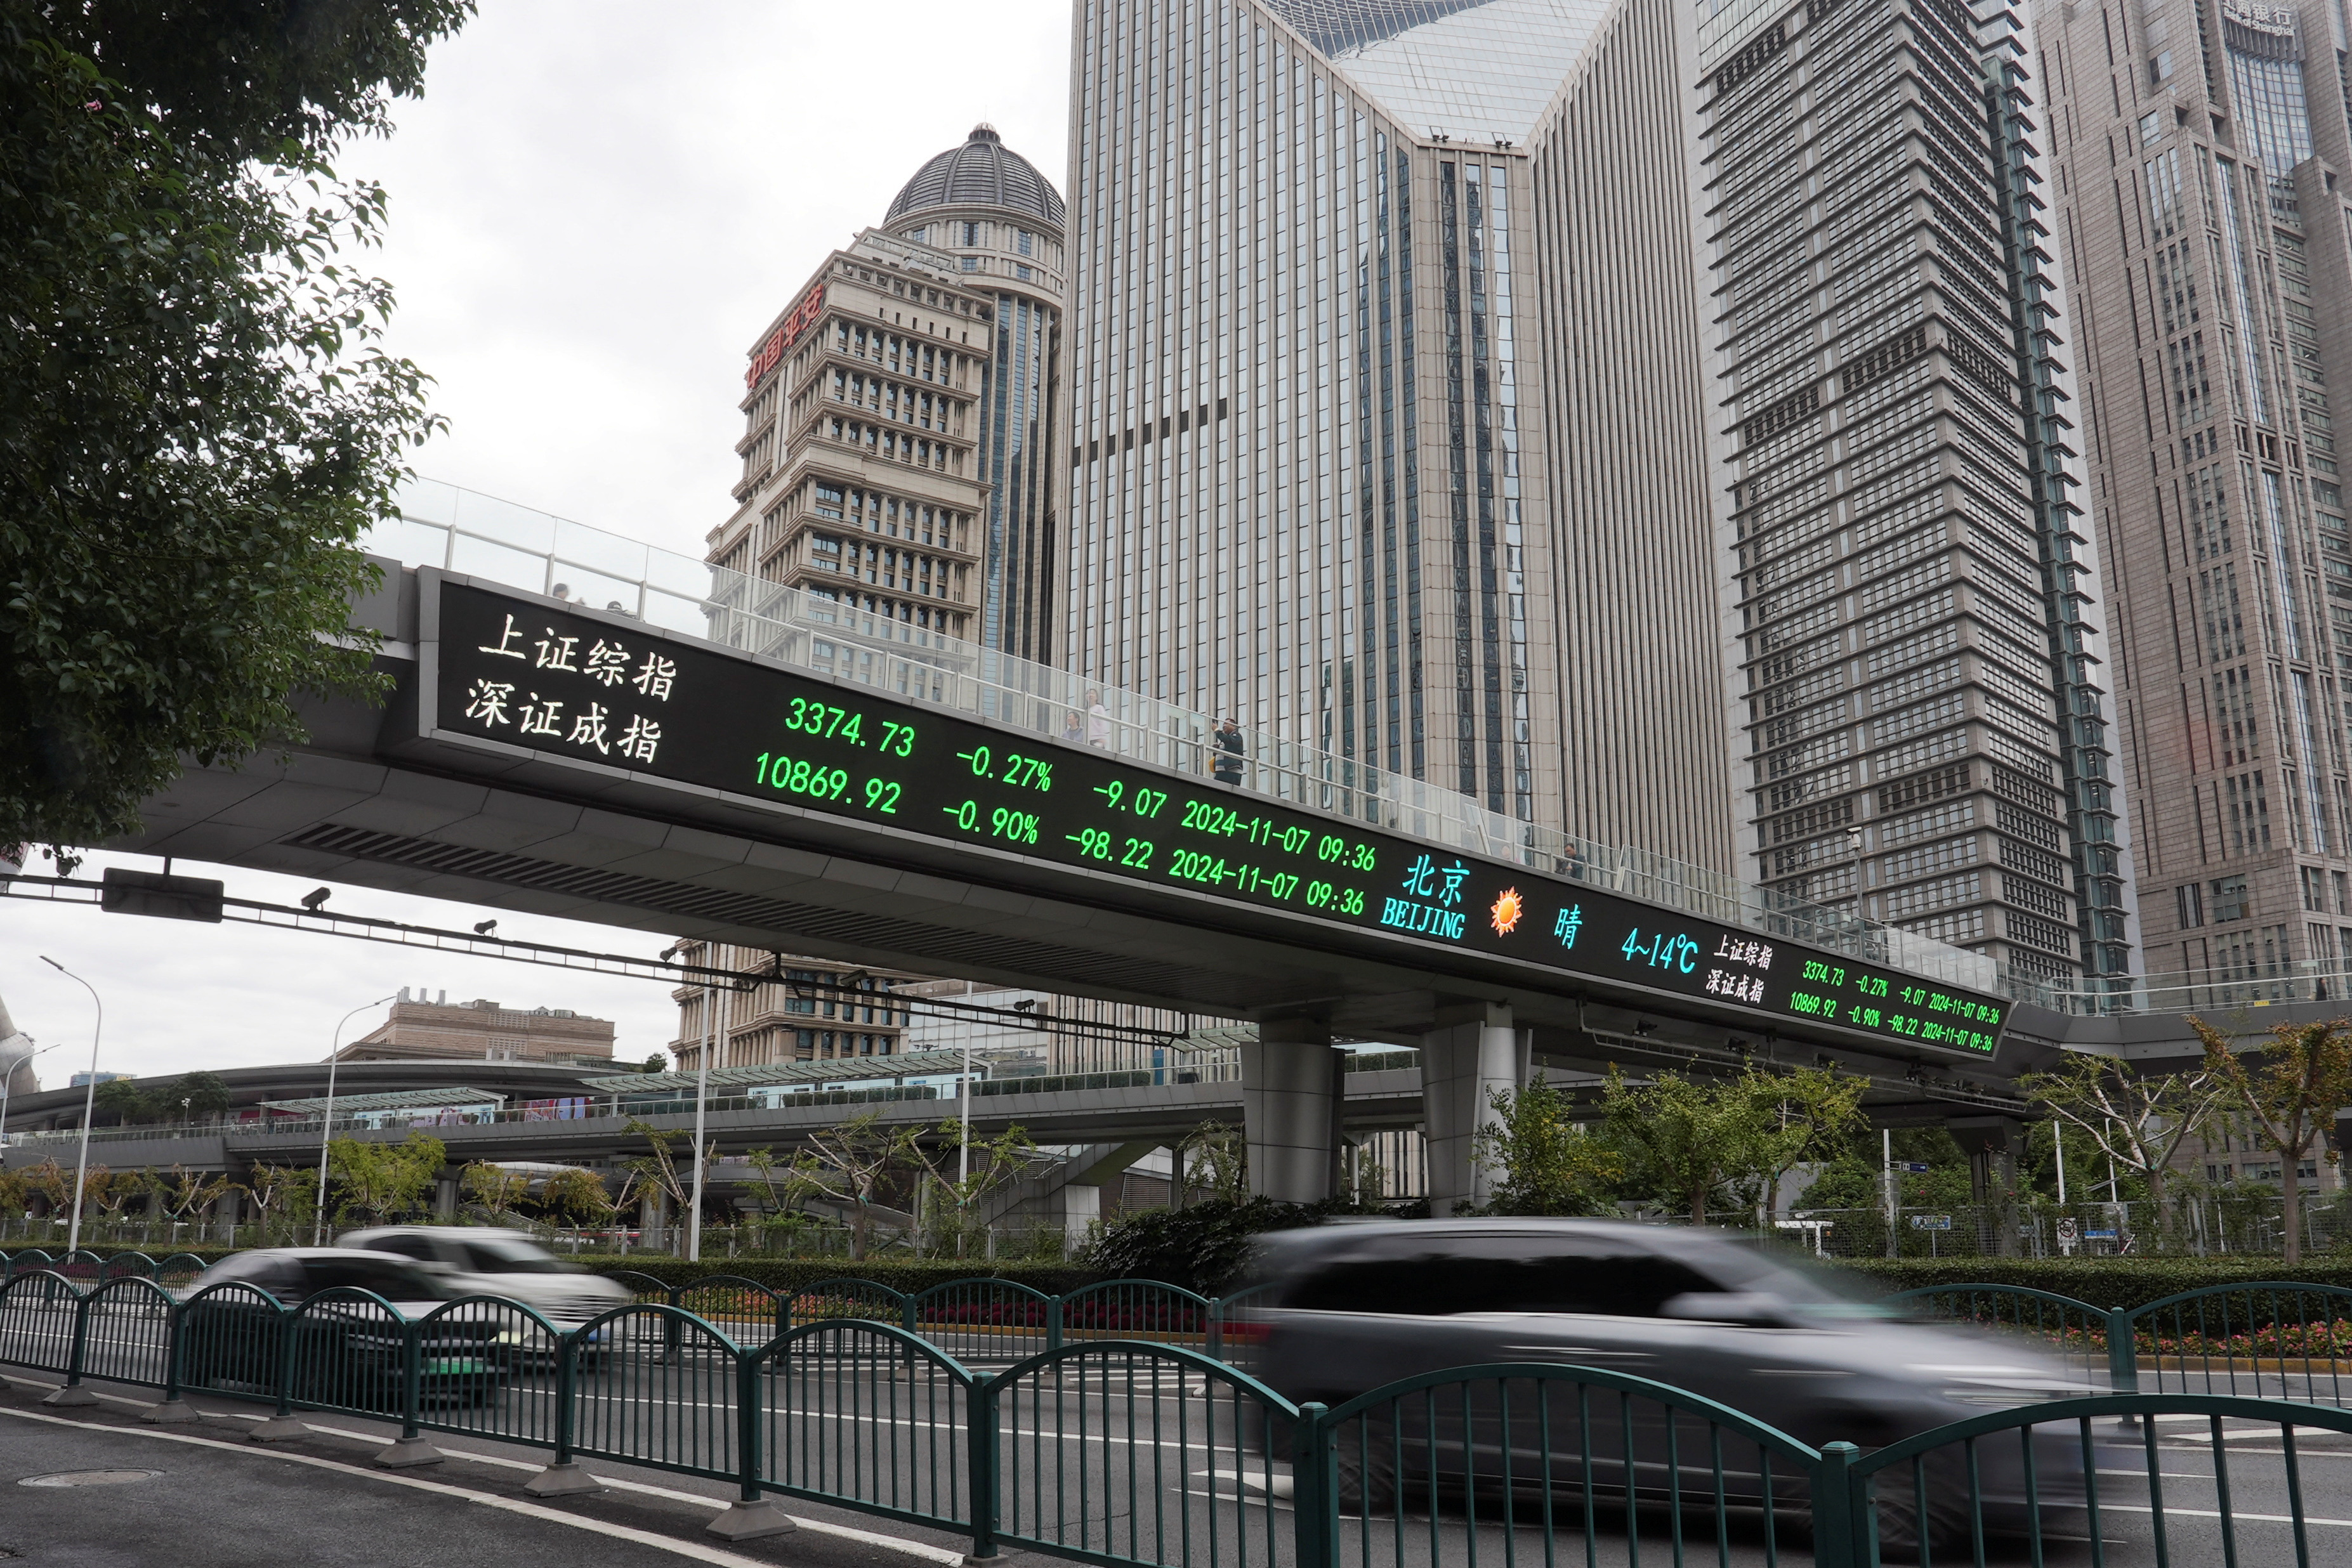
(1356, 1306)
(347, 1349)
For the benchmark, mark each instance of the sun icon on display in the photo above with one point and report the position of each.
(1507, 912)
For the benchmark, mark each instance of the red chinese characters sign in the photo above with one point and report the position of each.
(771, 354)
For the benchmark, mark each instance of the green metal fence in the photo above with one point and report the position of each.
(1140, 1452)
(2263, 1339)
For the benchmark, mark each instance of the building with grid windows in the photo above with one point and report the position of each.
(1385, 401)
(897, 411)
(1643, 417)
(1916, 659)
(2198, 216)
(898, 416)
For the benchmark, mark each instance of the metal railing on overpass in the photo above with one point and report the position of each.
(1131, 1452)
(461, 530)
(596, 1107)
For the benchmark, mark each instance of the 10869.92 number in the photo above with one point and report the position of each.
(796, 776)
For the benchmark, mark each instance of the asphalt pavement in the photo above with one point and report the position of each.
(200, 1495)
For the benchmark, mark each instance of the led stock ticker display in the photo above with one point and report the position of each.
(568, 686)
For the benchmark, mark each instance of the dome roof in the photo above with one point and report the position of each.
(982, 173)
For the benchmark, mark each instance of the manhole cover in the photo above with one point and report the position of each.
(89, 1478)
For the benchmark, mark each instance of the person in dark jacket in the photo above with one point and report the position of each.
(1228, 740)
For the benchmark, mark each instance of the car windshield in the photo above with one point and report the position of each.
(499, 1256)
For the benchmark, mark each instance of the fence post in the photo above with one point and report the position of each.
(175, 1407)
(410, 1448)
(282, 1422)
(1841, 1502)
(2123, 1353)
(981, 1450)
(1215, 1339)
(753, 1513)
(73, 1393)
(564, 1476)
(1315, 1490)
(1055, 1313)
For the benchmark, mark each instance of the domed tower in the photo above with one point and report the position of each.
(1002, 221)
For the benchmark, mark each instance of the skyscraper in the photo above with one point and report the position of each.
(1916, 653)
(2203, 233)
(1385, 406)
(897, 412)
(899, 417)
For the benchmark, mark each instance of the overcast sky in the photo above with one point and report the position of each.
(596, 208)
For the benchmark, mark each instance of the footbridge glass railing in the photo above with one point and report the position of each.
(461, 530)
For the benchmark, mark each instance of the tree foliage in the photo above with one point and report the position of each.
(1545, 1162)
(374, 1182)
(2138, 1120)
(2289, 1098)
(197, 420)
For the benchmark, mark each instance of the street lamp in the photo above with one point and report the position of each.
(8, 1074)
(327, 1118)
(88, 1101)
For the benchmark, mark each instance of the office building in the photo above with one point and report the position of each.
(2200, 219)
(419, 1027)
(1638, 419)
(1385, 398)
(898, 414)
(814, 1010)
(1917, 655)
(898, 418)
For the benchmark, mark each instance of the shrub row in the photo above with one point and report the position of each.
(2102, 1281)
(797, 1274)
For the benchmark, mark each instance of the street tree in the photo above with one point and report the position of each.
(2137, 1119)
(190, 1195)
(1216, 1157)
(2289, 1098)
(575, 1195)
(1802, 1116)
(1683, 1141)
(660, 1170)
(853, 1164)
(380, 1180)
(197, 417)
(494, 1187)
(1544, 1163)
(286, 1194)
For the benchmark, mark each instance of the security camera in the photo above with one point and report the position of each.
(315, 897)
(484, 928)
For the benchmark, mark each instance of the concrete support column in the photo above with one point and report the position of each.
(1081, 1206)
(1474, 1052)
(1291, 1084)
(445, 1198)
(1991, 1144)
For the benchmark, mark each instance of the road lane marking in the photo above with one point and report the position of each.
(823, 1527)
(2216, 1513)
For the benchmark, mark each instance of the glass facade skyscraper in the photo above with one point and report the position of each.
(1328, 260)
(1917, 658)
(2199, 219)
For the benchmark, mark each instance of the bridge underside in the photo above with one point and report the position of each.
(365, 802)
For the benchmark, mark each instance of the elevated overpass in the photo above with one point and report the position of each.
(753, 768)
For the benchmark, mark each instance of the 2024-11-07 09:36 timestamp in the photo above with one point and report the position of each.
(1917, 1004)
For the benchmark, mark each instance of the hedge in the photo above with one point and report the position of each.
(798, 1273)
(2102, 1281)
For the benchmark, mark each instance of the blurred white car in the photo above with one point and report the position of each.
(479, 1260)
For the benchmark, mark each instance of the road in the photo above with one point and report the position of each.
(1131, 1455)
